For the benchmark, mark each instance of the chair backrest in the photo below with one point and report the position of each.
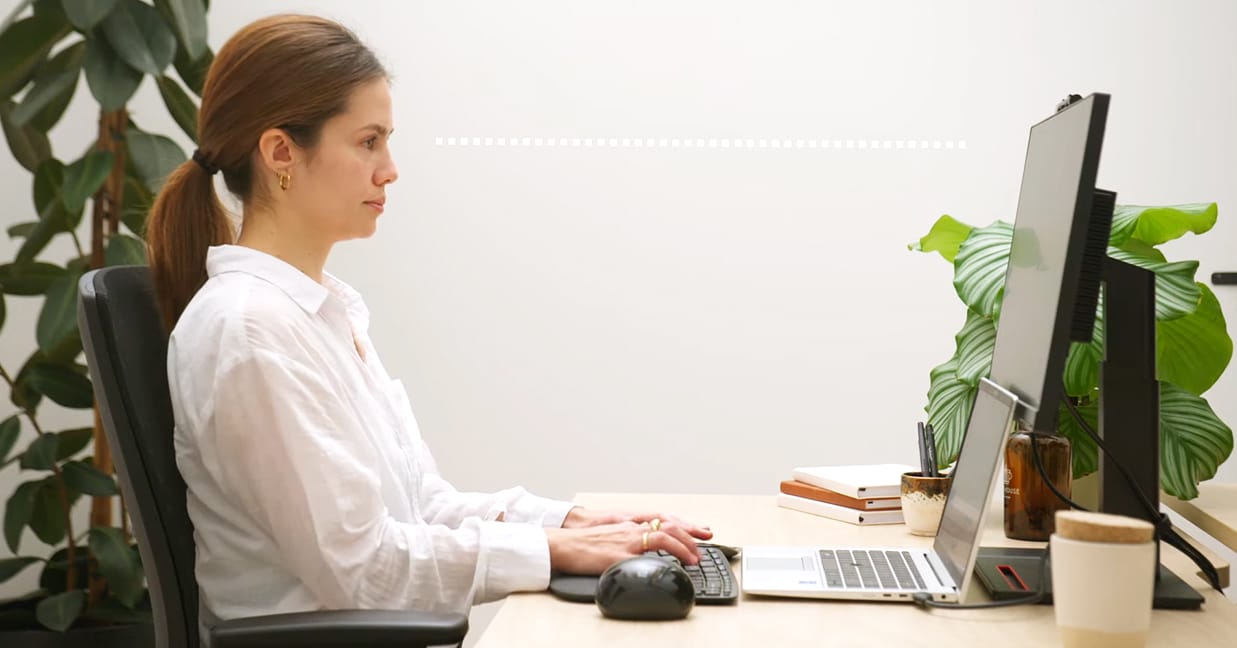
(126, 350)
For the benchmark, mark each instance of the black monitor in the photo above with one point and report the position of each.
(1053, 278)
(1058, 264)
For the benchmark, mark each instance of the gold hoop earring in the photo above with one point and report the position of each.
(285, 181)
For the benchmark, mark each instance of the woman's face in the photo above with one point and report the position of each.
(341, 185)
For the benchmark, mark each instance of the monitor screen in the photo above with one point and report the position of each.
(1047, 257)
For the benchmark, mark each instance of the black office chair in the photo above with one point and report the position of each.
(126, 349)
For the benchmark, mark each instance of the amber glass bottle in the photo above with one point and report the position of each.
(1030, 505)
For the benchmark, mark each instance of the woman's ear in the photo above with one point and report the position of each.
(276, 151)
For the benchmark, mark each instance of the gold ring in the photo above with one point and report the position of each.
(644, 541)
(655, 523)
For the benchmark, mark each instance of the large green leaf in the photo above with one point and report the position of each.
(58, 319)
(188, 19)
(154, 157)
(118, 563)
(949, 408)
(28, 279)
(28, 144)
(17, 513)
(85, 14)
(59, 611)
(111, 80)
(10, 567)
(87, 480)
(83, 178)
(140, 36)
(1176, 292)
(178, 103)
(1193, 351)
(72, 442)
(47, 514)
(945, 237)
(123, 249)
(193, 70)
(23, 46)
(1193, 441)
(41, 453)
(975, 343)
(1083, 451)
(53, 89)
(1082, 365)
(10, 429)
(61, 384)
(22, 395)
(1155, 225)
(979, 268)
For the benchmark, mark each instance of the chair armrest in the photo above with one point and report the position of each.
(369, 628)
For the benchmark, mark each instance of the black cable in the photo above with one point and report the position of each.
(924, 599)
(1163, 524)
(1043, 474)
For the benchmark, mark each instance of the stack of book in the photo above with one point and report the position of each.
(868, 494)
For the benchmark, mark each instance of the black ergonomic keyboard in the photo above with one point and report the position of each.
(712, 576)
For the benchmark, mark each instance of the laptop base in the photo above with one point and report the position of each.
(1009, 572)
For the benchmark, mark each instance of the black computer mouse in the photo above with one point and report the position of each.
(645, 588)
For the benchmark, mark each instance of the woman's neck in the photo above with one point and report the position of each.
(295, 246)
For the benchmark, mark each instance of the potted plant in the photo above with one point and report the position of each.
(91, 588)
(1192, 341)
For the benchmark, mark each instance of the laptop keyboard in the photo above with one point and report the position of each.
(864, 569)
(712, 577)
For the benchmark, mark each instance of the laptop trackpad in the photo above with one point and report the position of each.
(781, 563)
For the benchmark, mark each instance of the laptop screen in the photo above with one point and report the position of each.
(957, 541)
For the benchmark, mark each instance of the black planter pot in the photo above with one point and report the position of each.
(118, 636)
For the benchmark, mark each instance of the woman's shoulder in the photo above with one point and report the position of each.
(239, 310)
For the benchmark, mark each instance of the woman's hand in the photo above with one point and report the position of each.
(590, 550)
(591, 541)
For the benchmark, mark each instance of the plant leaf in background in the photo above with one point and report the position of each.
(83, 178)
(10, 567)
(125, 250)
(154, 157)
(9, 430)
(85, 14)
(41, 453)
(59, 611)
(87, 480)
(1155, 225)
(975, 343)
(979, 268)
(949, 406)
(188, 20)
(1193, 441)
(17, 513)
(23, 46)
(1193, 351)
(58, 318)
(111, 80)
(193, 71)
(29, 279)
(63, 385)
(28, 144)
(118, 563)
(945, 237)
(140, 36)
(1085, 454)
(53, 89)
(1176, 294)
(181, 107)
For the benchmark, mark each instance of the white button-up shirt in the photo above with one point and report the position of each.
(309, 486)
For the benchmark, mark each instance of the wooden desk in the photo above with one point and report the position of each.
(539, 619)
(1213, 511)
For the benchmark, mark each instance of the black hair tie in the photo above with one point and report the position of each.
(200, 158)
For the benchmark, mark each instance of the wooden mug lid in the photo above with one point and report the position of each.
(1103, 527)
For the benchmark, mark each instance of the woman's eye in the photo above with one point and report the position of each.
(370, 142)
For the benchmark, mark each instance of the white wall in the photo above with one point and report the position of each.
(688, 319)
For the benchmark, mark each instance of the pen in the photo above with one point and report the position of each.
(930, 442)
(923, 451)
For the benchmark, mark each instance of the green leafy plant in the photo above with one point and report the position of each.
(1192, 343)
(94, 575)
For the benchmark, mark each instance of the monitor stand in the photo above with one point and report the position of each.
(1014, 572)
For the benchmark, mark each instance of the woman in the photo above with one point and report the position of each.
(309, 485)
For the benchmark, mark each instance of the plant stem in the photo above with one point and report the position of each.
(78, 244)
(14, 14)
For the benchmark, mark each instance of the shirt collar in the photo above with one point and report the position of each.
(306, 292)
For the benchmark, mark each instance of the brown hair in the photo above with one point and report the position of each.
(288, 72)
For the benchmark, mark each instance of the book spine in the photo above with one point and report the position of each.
(840, 513)
(803, 489)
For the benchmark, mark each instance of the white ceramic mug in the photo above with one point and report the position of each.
(1102, 591)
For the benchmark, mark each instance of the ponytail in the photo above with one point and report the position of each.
(186, 219)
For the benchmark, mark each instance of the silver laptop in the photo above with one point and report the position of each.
(895, 573)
